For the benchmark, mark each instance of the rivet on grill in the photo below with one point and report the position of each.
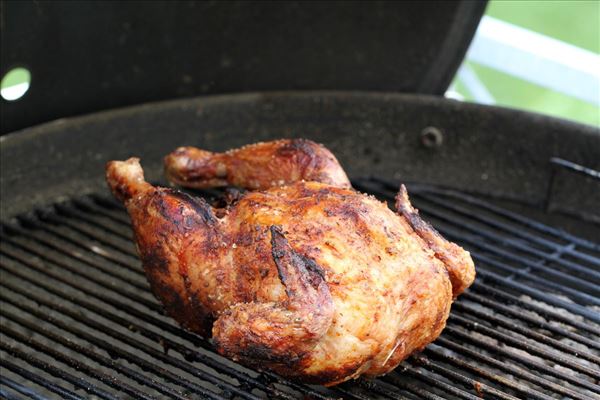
(432, 137)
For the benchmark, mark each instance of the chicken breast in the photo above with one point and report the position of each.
(309, 279)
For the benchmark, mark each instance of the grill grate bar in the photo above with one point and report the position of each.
(531, 264)
(271, 377)
(114, 351)
(531, 334)
(392, 185)
(118, 305)
(456, 377)
(540, 266)
(510, 368)
(100, 228)
(68, 216)
(476, 241)
(419, 391)
(381, 388)
(507, 241)
(426, 377)
(561, 344)
(87, 246)
(90, 214)
(349, 394)
(478, 232)
(5, 395)
(526, 318)
(465, 337)
(177, 330)
(529, 347)
(436, 382)
(51, 222)
(109, 207)
(64, 393)
(87, 305)
(538, 294)
(573, 293)
(513, 231)
(17, 388)
(13, 228)
(58, 372)
(186, 352)
(115, 287)
(548, 314)
(139, 272)
(569, 306)
(105, 329)
(434, 353)
(137, 328)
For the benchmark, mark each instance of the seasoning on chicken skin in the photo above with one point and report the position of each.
(311, 280)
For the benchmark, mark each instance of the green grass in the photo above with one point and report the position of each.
(517, 93)
(574, 22)
(15, 77)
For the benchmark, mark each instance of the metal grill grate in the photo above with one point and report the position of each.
(78, 317)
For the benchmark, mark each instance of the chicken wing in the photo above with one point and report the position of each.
(309, 279)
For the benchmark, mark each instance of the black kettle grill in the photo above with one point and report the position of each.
(518, 190)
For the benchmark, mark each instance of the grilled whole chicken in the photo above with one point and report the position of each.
(307, 277)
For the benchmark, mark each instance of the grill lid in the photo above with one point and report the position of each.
(132, 52)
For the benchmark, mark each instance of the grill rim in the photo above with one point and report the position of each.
(76, 148)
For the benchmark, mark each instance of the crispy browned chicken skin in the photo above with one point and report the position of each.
(311, 280)
(256, 166)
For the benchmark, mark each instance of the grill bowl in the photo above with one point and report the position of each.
(78, 318)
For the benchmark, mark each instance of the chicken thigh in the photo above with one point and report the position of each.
(307, 277)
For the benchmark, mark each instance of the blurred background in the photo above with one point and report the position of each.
(561, 37)
(554, 53)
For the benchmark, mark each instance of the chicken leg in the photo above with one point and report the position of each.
(169, 228)
(256, 166)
